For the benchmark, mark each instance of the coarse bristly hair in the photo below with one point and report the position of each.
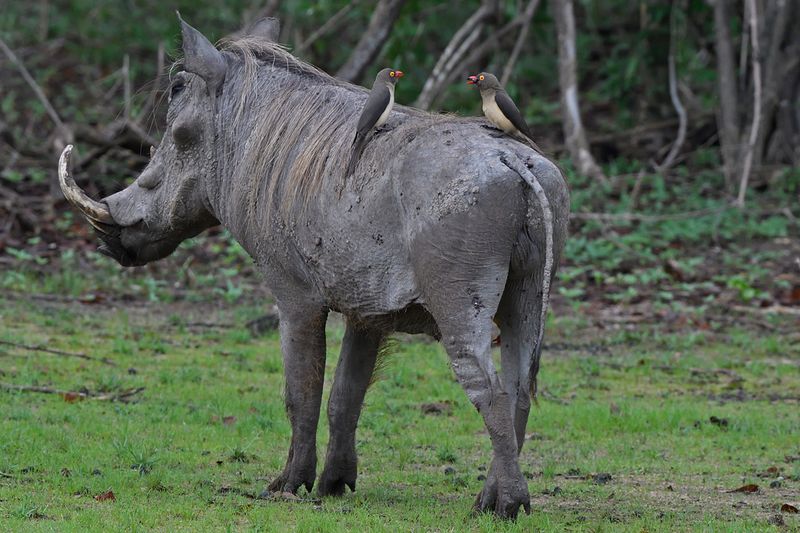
(291, 127)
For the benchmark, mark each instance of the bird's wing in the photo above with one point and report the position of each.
(374, 107)
(509, 109)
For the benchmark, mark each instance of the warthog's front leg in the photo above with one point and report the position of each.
(303, 346)
(353, 374)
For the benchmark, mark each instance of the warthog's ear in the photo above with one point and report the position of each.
(268, 28)
(202, 58)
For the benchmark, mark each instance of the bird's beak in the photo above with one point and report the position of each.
(472, 80)
(398, 74)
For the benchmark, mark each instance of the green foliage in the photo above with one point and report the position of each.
(208, 434)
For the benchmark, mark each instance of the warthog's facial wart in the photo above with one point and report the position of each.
(168, 202)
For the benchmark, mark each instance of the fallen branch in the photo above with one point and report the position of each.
(121, 396)
(37, 348)
(777, 309)
(638, 217)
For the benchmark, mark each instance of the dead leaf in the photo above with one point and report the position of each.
(776, 520)
(702, 324)
(794, 295)
(750, 487)
(72, 397)
(436, 408)
(789, 508)
(601, 478)
(106, 496)
(91, 298)
(229, 420)
(721, 422)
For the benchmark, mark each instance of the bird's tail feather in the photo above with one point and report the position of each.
(358, 148)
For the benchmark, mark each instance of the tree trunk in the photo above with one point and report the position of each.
(727, 116)
(772, 29)
(747, 156)
(574, 134)
(370, 44)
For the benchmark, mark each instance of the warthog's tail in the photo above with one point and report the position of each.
(514, 163)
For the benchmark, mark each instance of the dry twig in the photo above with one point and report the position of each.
(37, 348)
(638, 217)
(120, 396)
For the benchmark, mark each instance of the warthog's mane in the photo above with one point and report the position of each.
(289, 127)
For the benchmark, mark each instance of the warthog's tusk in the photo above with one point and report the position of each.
(95, 211)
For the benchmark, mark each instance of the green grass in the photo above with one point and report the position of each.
(209, 430)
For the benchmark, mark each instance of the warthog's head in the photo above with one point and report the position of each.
(169, 201)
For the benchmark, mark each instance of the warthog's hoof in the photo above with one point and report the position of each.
(503, 497)
(292, 479)
(334, 479)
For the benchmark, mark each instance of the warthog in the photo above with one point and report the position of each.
(445, 226)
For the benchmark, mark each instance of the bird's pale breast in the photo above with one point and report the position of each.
(496, 116)
(386, 112)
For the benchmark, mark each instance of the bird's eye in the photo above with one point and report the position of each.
(391, 74)
(481, 78)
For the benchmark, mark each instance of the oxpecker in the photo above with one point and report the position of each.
(376, 111)
(499, 108)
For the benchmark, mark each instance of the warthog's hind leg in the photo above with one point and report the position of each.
(353, 374)
(464, 314)
(518, 318)
(303, 347)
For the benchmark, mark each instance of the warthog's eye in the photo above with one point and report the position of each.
(177, 88)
